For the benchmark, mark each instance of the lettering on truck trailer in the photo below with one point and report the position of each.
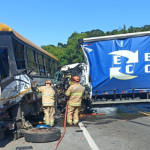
(129, 68)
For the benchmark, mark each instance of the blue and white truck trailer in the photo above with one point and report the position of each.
(118, 66)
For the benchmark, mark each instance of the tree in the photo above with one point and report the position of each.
(61, 45)
(73, 52)
(123, 30)
(131, 29)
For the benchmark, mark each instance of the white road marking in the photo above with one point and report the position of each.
(88, 137)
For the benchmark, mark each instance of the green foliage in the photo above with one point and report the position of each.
(71, 52)
(56, 51)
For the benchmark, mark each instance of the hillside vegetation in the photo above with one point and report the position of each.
(71, 52)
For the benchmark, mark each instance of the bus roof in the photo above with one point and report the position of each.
(4, 27)
(113, 37)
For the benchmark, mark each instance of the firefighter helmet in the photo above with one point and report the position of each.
(76, 78)
(48, 82)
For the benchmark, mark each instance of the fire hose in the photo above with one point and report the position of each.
(64, 127)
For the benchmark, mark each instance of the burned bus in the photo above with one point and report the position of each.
(22, 65)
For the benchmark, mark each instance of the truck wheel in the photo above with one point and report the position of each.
(83, 108)
(41, 135)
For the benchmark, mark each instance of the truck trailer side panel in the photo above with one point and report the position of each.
(119, 64)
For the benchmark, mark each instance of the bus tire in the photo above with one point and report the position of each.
(42, 135)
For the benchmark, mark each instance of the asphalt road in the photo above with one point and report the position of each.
(100, 132)
(116, 134)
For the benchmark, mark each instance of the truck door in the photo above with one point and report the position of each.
(4, 66)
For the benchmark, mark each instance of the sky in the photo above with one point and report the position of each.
(47, 22)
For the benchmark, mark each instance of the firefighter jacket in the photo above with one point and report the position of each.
(47, 95)
(75, 92)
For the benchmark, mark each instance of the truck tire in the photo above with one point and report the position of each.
(42, 135)
(83, 108)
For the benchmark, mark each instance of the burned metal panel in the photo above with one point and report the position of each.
(5, 82)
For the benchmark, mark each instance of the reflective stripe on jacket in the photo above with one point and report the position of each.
(47, 95)
(75, 92)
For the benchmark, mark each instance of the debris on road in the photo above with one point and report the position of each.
(79, 130)
(24, 148)
(92, 114)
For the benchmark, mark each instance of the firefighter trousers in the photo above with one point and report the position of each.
(49, 112)
(73, 114)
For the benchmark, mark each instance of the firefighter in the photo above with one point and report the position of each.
(75, 92)
(48, 102)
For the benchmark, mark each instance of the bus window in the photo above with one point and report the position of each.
(41, 64)
(4, 67)
(19, 54)
(52, 68)
(40, 59)
(31, 56)
(47, 63)
(56, 66)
